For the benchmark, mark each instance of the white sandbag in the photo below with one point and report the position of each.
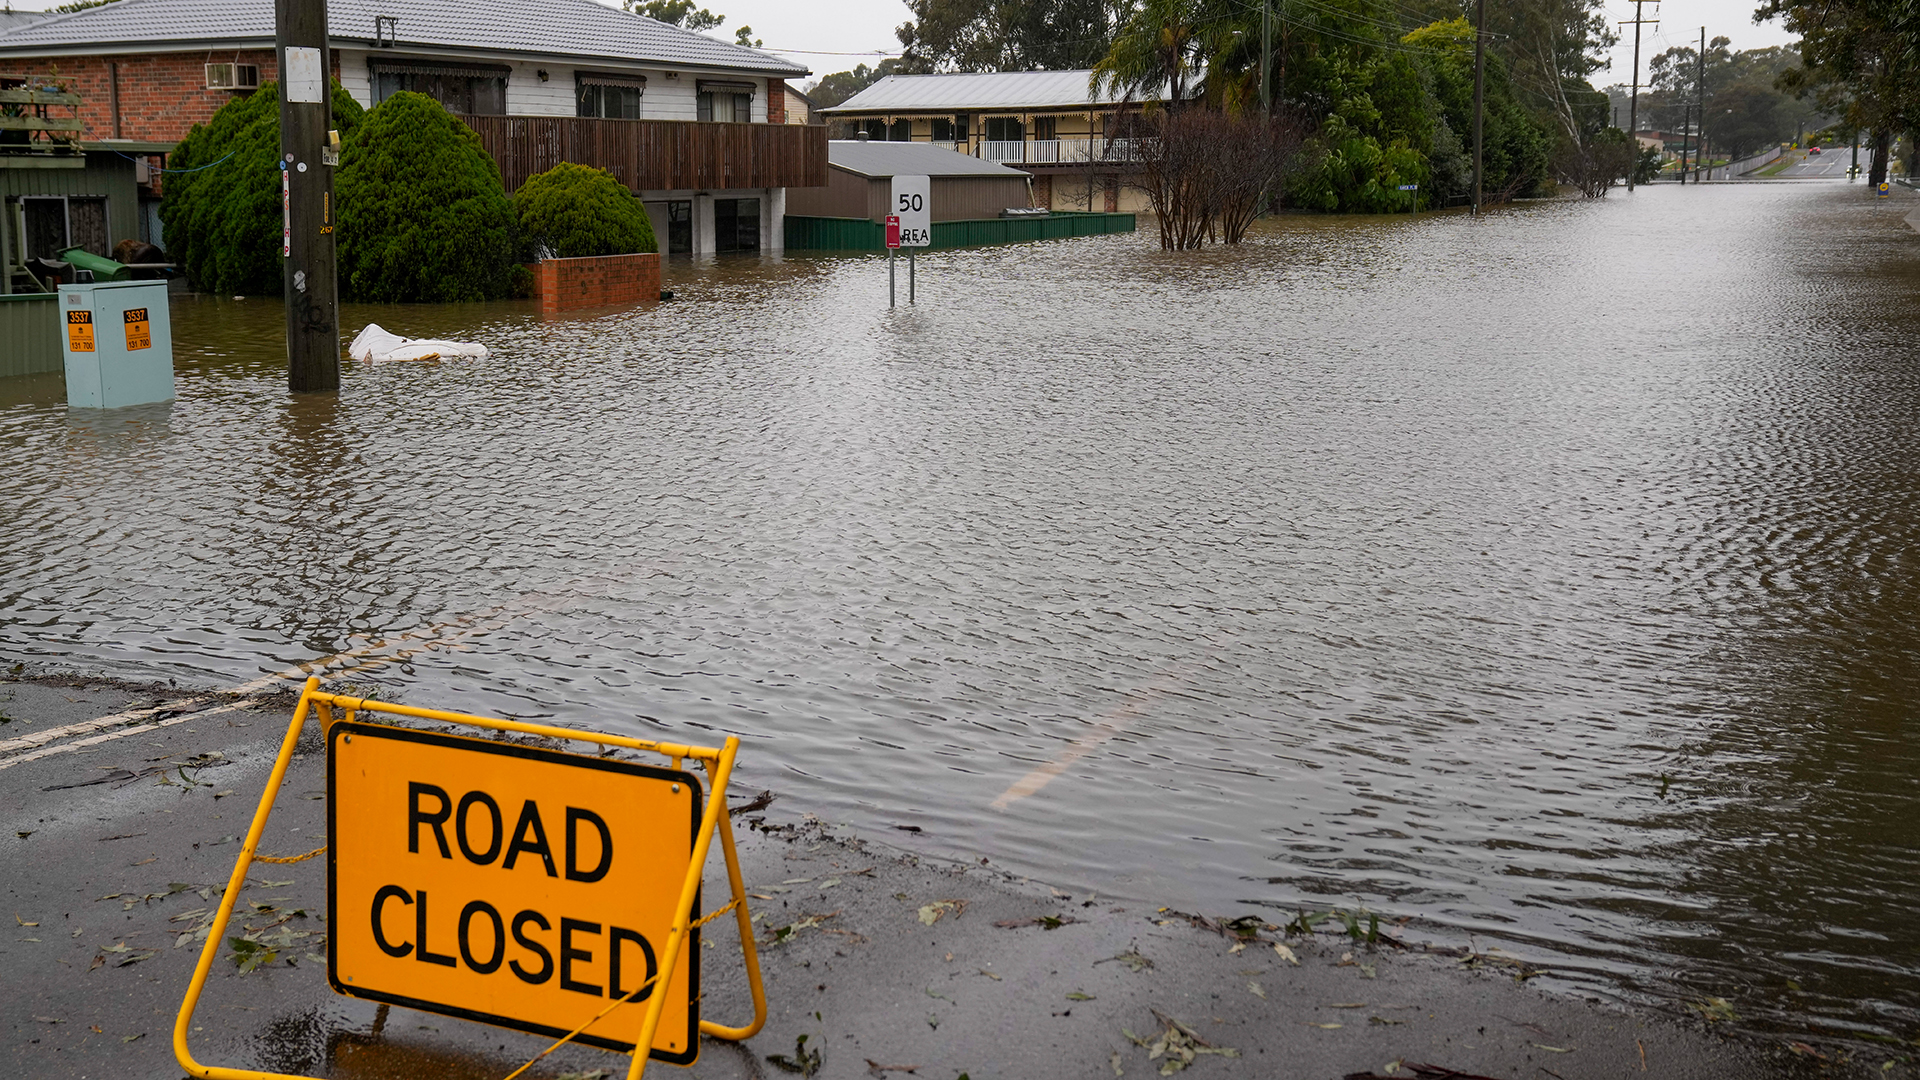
(375, 343)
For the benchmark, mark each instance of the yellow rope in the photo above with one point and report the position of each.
(290, 858)
(568, 1037)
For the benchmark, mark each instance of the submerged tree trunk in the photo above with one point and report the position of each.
(1877, 171)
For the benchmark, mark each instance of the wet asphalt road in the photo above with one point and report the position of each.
(114, 851)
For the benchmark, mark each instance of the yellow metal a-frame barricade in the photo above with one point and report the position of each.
(714, 819)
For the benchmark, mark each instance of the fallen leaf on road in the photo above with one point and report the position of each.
(1080, 995)
(1254, 989)
(131, 1038)
(1383, 1021)
(1555, 1049)
(1045, 922)
(1348, 1005)
(1114, 1061)
(1132, 958)
(1286, 954)
(49, 1020)
(932, 913)
(1328, 1027)
(985, 972)
(878, 1069)
(21, 921)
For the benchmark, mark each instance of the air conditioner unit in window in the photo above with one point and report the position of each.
(233, 76)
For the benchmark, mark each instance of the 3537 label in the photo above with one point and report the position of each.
(79, 331)
(139, 329)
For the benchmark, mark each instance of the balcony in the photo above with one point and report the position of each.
(1081, 151)
(657, 155)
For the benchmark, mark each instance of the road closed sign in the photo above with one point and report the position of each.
(510, 884)
(913, 205)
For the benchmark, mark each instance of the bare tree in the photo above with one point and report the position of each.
(1208, 175)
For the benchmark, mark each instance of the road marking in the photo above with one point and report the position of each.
(429, 638)
(41, 738)
(63, 748)
(1109, 726)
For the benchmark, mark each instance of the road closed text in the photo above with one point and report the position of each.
(509, 884)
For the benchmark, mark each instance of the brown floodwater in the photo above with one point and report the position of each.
(1550, 578)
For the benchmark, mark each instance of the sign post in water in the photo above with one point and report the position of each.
(909, 225)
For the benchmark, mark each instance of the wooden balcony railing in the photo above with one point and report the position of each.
(658, 155)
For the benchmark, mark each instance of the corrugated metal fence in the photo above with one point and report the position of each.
(859, 234)
(657, 155)
(30, 334)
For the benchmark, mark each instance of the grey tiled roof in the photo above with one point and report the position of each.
(981, 90)
(884, 159)
(566, 28)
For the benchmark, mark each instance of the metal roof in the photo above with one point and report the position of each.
(10, 20)
(879, 160)
(983, 90)
(564, 28)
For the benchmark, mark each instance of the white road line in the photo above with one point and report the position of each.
(41, 738)
(68, 747)
(429, 638)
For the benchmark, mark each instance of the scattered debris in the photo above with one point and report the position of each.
(1132, 958)
(1713, 1009)
(1045, 922)
(1081, 995)
(1286, 954)
(1420, 1072)
(781, 934)
(1179, 1044)
(804, 1061)
(932, 913)
(877, 1069)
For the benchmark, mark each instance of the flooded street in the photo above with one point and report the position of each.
(1551, 578)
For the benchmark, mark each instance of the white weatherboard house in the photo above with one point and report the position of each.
(694, 125)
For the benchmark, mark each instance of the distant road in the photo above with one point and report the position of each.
(1830, 164)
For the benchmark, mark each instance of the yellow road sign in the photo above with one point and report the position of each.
(516, 885)
(509, 884)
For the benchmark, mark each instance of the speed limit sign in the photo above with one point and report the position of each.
(912, 198)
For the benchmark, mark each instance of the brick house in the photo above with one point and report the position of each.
(693, 125)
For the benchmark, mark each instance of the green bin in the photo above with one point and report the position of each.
(103, 269)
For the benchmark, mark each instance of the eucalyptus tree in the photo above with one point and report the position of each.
(1860, 59)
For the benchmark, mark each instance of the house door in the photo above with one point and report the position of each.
(87, 225)
(736, 224)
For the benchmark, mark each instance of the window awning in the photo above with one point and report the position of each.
(596, 78)
(428, 67)
(716, 86)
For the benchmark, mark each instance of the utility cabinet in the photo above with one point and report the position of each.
(118, 343)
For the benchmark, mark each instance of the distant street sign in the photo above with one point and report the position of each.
(509, 884)
(1409, 187)
(1885, 188)
(913, 205)
(893, 231)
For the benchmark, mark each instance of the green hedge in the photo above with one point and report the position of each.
(423, 215)
(574, 211)
(221, 211)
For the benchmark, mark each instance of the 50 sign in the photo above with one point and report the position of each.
(913, 205)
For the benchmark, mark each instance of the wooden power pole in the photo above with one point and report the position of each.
(1633, 108)
(306, 194)
(1700, 95)
(1479, 97)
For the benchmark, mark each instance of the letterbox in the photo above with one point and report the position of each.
(118, 343)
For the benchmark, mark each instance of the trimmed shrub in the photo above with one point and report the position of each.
(221, 213)
(423, 216)
(572, 211)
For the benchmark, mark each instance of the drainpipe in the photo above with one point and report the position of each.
(113, 95)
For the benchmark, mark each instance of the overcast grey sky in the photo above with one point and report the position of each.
(814, 31)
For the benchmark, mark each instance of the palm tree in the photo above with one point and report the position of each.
(1160, 47)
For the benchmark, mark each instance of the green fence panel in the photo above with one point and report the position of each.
(30, 334)
(859, 234)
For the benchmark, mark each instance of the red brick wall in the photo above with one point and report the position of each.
(162, 95)
(776, 101)
(602, 281)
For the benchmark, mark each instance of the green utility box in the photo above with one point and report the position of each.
(118, 342)
(103, 269)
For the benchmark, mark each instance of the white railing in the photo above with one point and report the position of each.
(1060, 151)
(1004, 152)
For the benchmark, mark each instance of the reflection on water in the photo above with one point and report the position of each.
(1550, 577)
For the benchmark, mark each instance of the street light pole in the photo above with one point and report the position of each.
(306, 195)
(1700, 94)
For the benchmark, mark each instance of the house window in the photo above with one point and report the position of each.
(943, 129)
(1043, 128)
(736, 224)
(1005, 129)
(875, 129)
(901, 131)
(962, 126)
(680, 227)
(56, 223)
(725, 102)
(480, 90)
(613, 97)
